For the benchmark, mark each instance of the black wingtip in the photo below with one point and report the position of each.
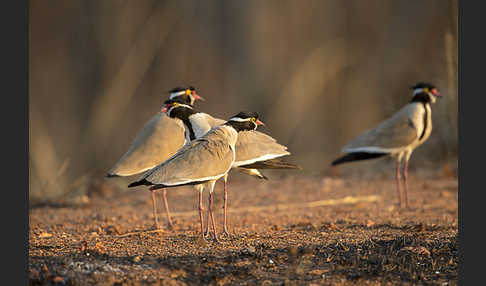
(140, 183)
(109, 175)
(357, 156)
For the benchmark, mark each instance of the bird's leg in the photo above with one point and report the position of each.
(207, 232)
(156, 223)
(201, 213)
(398, 184)
(225, 198)
(405, 176)
(211, 212)
(169, 221)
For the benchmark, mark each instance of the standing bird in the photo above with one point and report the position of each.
(159, 139)
(398, 135)
(254, 149)
(202, 161)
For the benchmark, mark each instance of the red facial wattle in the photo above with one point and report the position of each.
(196, 96)
(258, 122)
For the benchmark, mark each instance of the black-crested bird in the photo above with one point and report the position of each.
(397, 136)
(159, 139)
(202, 161)
(254, 149)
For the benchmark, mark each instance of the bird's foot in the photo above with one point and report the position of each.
(155, 226)
(170, 225)
(226, 233)
(207, 234)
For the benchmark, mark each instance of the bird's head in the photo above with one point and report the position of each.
(176, 108)
(245, 121)
(426, 91)
(185, 95)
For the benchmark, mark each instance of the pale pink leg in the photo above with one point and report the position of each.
(206, 233)
(225, 198)
(156, 225)
(169, 221)
(212, 216)
(201, 213)
(405, 176)
(398, 184)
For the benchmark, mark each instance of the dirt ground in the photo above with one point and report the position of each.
(287, 231)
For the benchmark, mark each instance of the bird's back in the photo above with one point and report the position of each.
(203, 159)
(398, 131)
(159, 139)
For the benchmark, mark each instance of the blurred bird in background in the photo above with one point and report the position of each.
(397, 136)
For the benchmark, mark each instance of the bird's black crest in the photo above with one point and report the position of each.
(246, 114)
(423, 85)
(181, 88)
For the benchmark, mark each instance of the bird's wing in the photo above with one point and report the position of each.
(254, 146)
(159, 139)
(396, 132)
(207, 158)
(213, 122)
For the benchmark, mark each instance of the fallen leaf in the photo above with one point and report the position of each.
(100, 248)
(84, 246)
(369, 223)
(318, 272)
(45, 235)
(417, 250)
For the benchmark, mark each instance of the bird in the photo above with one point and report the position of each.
(398, 136)
(159, 139)
(254, 149)
(202, 161)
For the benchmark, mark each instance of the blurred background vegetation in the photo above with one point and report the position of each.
(319, 73)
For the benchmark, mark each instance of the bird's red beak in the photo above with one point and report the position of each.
(258, 122)
(435, 92)
(165, 108)
(196, 96)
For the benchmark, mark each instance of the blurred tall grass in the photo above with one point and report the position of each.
(319, 72)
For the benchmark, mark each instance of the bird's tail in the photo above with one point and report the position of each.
(276, 163)
(356, 156)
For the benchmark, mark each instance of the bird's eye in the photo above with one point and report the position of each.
(175, 104)
(253, 119)
(188, 92)
(426, 89)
